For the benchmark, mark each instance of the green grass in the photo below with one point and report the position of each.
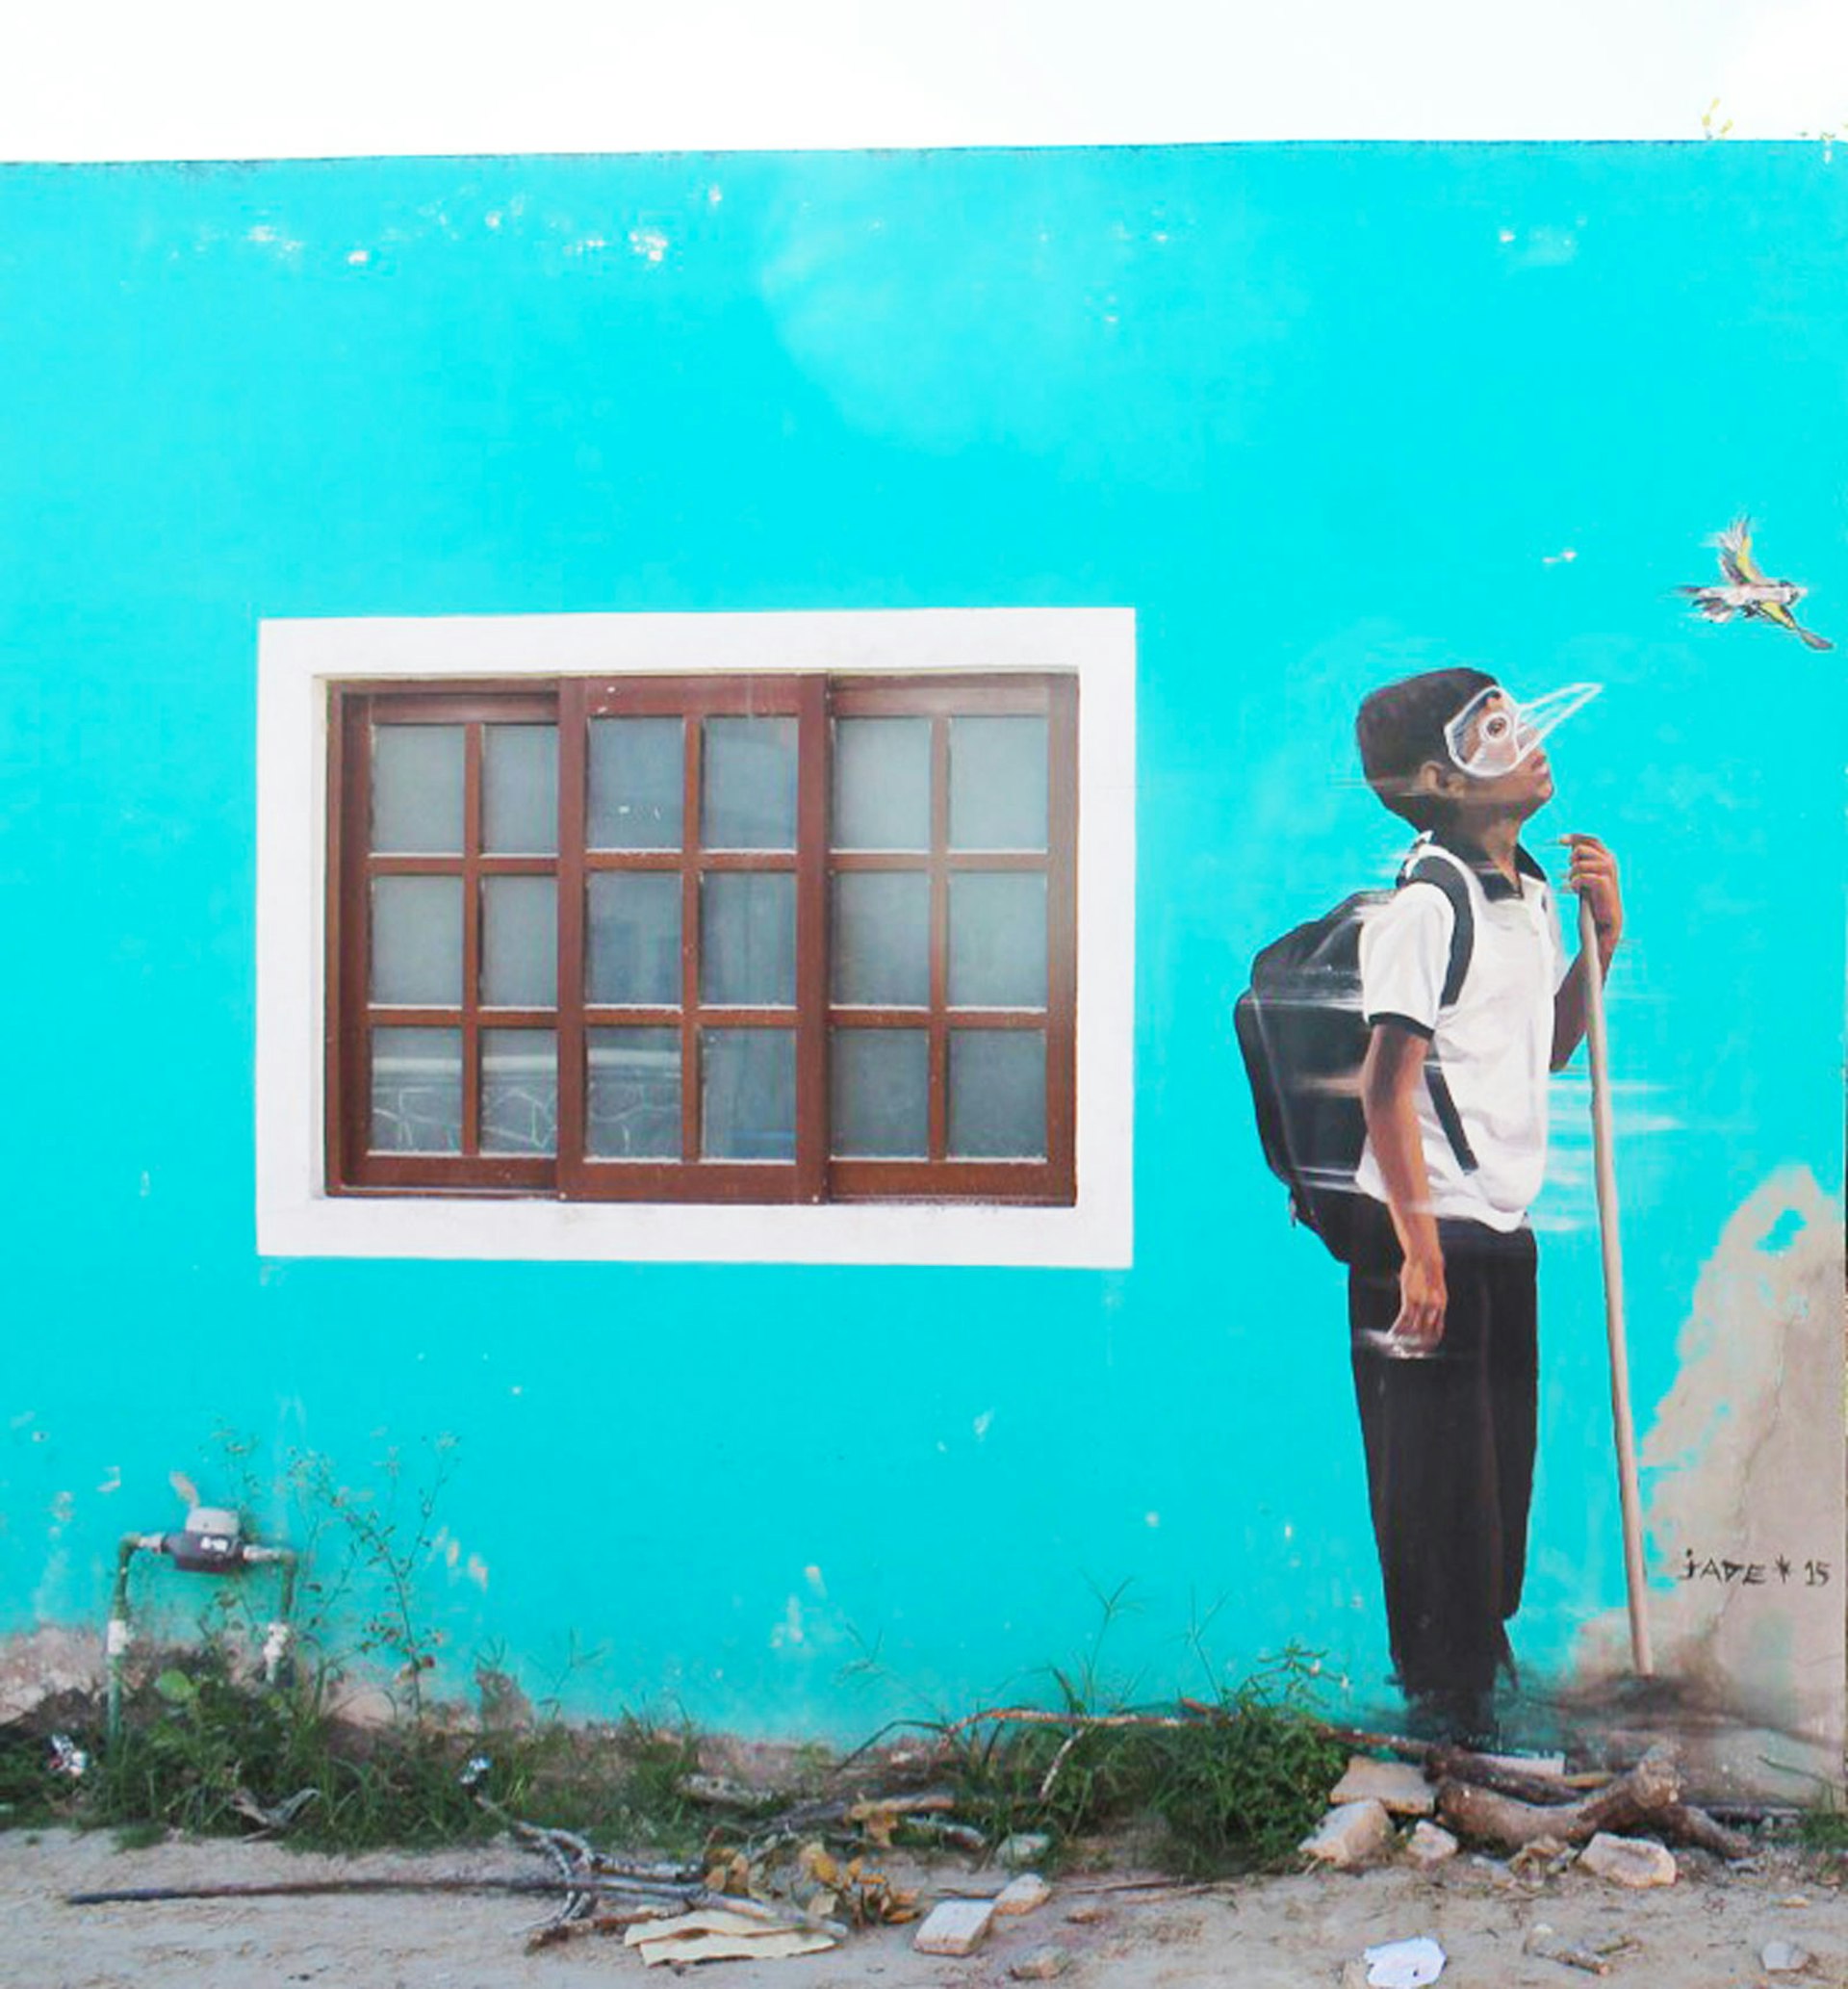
(1824, 1829)
(1235, 1789)
(195, 1739)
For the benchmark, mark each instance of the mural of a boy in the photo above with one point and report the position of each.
(1442, 1285)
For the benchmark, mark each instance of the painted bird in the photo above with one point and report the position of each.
(1747, 592)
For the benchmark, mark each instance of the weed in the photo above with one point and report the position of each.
(1824, 1829)
(32, 1793)
(203, 1751)
(204, 1747)
(386, 1549)
(1235, 1787)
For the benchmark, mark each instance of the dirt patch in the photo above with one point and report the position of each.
(1704, 1932)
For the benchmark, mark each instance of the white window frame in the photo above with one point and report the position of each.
(296, 662)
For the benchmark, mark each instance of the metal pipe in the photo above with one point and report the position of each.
(120, 1633)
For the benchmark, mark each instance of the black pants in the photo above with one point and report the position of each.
(1449, 1442)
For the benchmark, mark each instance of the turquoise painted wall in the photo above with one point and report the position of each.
(1319, 414)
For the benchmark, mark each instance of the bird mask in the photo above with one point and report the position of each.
(1496, 731)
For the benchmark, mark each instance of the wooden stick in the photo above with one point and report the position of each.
(1686, 1824)
(600, 1923)
(1448, 1764)
(1648, 1798)
(1038, 1716)
(1649, 1789)
(1629, 1496)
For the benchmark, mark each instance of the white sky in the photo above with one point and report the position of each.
(214, 79)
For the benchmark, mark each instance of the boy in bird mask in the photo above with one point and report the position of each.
(1442, 1297)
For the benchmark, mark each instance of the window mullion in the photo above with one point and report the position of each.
(472, 941)
(692, 1079)
(811, 940)
(939, 1075)
(573, 753)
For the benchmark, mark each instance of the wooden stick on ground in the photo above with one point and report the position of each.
(1637, 1797)
(1447, 1763)
(1038, 1716)
(1648, 1798)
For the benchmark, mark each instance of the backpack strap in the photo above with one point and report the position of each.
(1424, 866)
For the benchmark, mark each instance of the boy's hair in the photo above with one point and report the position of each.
(1401, 725)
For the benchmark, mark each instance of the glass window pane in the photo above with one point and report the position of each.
(633, 1107)
(747, 1107)
(417, 1091)
(882, 955)
(417, 790)
(519, 1091)
(519, 789)
(998, 784)
(997, 939)
(635, 941)
(748, 939)
(417, 941)
(637, 784)
(880, 1094)
(997, 1094)
(882, 784)
(519, 942)
(747, 784)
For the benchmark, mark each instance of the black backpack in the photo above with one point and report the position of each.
(1304, 1037)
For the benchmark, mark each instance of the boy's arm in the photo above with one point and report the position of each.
(1594, 876)
(1389, 1080)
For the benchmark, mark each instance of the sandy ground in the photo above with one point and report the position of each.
(1704, 1932)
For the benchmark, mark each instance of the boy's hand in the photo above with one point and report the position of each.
(1593, 875)
(1422, 1300)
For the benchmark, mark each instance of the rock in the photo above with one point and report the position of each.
(1089, 1914)
(1430, 1846)
(1546, 1858)
(1784, 1958)
(1351, 1836)
(955, 1926)
(1396, 1785)
(1550, 1947)
(1023, 1894)
(1023, 1849)
(1039, 1964)
(1633, 1861)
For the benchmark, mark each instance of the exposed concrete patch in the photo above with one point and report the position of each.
(45, 1664)
(1744, 1495)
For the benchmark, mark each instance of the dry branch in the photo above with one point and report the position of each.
(598, 1924)
(1447, 1763)
(1637, 1797)
(1684, 1823)
(1645, 1798)
(1038, 1716)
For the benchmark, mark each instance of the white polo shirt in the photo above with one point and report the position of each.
(1493, 1046)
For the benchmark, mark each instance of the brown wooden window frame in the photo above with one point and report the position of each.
(814, 1175)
